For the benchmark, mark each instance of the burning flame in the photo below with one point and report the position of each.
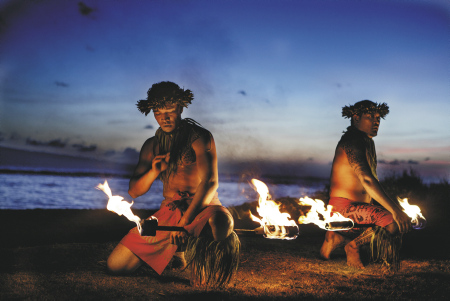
(271, 215)
(317, 209)
(115, 204)
(413, 211)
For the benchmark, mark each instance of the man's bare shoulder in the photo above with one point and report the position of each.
(204, 144)
(202, 137)
(200, 132)
(349, 141)
(149, 145)
(150, 141)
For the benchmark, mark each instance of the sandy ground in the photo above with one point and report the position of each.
(60, 255)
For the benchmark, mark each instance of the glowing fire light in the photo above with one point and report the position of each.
(317, 210)
(418, 221)
(272, 220)
(117, 205)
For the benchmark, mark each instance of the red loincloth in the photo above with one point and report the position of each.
(361, 213)
(157, 251)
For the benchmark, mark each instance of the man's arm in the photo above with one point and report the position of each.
(206, 157)
(147, 171)
(357, 158)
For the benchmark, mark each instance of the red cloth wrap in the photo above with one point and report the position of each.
(196, 227)
(361, 213)
(157, 251)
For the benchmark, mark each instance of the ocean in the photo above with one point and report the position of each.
(67, 191)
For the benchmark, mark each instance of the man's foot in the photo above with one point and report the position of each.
(353, 258)
(332, 241)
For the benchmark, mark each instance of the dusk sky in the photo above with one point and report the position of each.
(269, 77)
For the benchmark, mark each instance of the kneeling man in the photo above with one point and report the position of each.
(183, 155)
(354, 185)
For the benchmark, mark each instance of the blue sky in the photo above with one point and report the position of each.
(269, 77)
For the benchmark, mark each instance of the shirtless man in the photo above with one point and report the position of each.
(183, 155)
(354, 184)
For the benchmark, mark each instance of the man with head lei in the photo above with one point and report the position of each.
(182, 154)
(354, 187)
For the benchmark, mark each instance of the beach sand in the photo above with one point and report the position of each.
(61, 254)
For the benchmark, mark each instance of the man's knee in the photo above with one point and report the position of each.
(221, 225)
(392, 228)
(122, 261)
(114, 266)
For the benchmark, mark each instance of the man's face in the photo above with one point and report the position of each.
(368, 123)
(168, 117)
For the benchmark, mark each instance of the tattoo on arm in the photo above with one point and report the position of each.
(357, 157)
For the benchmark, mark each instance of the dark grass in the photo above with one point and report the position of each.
(60, 255)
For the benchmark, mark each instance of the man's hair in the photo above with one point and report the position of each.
(211, 262)
(365, 107)
(162, 94)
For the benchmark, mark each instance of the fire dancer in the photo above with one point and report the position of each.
(182, 154)
(354, 185)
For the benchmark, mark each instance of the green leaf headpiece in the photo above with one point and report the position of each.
(365, 107)
(162, 94)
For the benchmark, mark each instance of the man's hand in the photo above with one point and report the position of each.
(180, 237)
(160, 162)
(403, 221)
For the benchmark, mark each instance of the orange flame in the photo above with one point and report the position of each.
(414, 212)
(115, 204)
(317, 209)
(271, 215)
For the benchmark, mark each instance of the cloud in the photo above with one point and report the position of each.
(15, 136)
(418, 149)
(84, 148)
(2, 23)
(341, 85)
(275, 168)
(130, 155)
(398, 162)
(53, 143)
(84, 9)
(61, 84)
(110, 153)
(130, 152)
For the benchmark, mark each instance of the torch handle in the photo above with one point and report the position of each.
(291, 231)
(247, 232)
(344, 225)
(363, 225)
(169, 228)
(150, 226)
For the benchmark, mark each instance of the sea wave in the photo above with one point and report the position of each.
(44, 189)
